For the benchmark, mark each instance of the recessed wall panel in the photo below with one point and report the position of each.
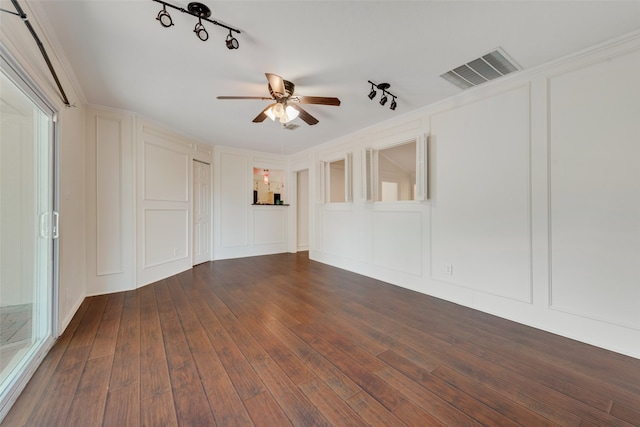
(338, 233)
(166, 174)
(595, 190)
(235, 197)
(397, 241)
(481, 223)
(269, 225)
(166, 235)
(108, 196)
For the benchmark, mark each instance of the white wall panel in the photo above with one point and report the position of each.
(397, 241)
(302, 213)
(595, 190)
(481, 213)
(167, 236)
(269, 225)
(234, 200)
(109, 134)
(166, 174)
(338, 233)
(110, 160)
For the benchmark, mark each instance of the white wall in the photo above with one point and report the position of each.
(534, 208)
(240, 228)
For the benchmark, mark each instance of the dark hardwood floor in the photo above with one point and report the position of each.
(280, 340)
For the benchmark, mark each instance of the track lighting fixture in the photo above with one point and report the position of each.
(202, 12)
(164, 17)
(385, 94)
(201, 32)
(232, 42)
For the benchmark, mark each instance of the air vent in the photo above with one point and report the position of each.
(488, 67)
(291, 126)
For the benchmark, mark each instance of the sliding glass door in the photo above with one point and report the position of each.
(28, 228)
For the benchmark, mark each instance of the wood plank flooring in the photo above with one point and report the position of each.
(283, 341)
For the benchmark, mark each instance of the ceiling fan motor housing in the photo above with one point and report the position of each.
(288, 87)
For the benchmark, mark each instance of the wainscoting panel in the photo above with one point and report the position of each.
(397, 241)
(235, 198)
(269, 225)
(166, 174)
(481, 223)
(595, 190)
(338, 233)
(109, 134)
(166, 232)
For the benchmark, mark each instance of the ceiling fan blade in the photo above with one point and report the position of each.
(321, 100)
(244, 97)
(308, 118)
(276, 83)
(263, 115)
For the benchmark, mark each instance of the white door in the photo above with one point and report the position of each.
(201, 212)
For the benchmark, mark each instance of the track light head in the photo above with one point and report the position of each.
(373, 93)
(393, 104)
(383, 100)
(164, 17)
(232, 42)
(200, 31)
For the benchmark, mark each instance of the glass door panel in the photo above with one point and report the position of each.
(27, 233)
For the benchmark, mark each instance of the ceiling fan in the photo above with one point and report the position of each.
(287, 105)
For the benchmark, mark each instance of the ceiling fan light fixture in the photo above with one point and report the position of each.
(278, 110)
(164, 18)
(200, 31)
(269, 113)
(291, 113)
(285, 106)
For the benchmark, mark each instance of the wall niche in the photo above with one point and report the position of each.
(268, 186)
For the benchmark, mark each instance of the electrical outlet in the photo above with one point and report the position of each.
(449, 269)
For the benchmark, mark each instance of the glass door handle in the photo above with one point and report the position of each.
(44, 225)
(56, 224)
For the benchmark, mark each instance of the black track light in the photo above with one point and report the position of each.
(385, 94)
(232, 42)
(203, 13)
(201, 32)
(164, 17)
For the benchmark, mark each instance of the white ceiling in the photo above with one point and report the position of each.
(124, 59)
